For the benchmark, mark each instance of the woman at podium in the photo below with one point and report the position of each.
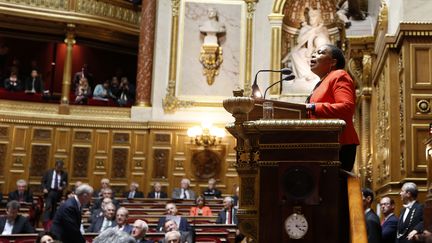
(334, 97)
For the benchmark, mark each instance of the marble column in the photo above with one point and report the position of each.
(67, 69)
(145, 53)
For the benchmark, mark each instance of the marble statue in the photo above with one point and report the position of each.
(211, 28)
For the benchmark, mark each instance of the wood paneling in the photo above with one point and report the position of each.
(420, 132)
(421, 61)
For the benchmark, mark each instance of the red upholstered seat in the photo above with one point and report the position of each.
(207, 239)
(4, 240)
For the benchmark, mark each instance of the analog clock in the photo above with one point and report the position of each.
(296, 226)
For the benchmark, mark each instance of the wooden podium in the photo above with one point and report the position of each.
(289, 173)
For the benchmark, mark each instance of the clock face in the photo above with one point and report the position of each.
(296, 226)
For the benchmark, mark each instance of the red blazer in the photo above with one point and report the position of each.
(206, 211)
(335, 98)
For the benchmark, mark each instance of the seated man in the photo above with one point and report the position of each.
(34, 83)
(211, 192)
(122, 220)
(21, 194)
(139, 230)
(228, 215)
(105, 183)
(170, 226)
(101, 91)
(184, 192)
(13, 223)
(171, 210)
(172, 237)
(157, 192)
(105, 222)
(106, 193)
(100, 211)
(133, 192)
(114, 236)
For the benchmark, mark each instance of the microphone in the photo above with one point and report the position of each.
(287, 78)
(256, 93)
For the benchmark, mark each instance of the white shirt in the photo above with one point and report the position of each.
(8, 228)
(131, 194)
(183, 191)
(407, 209)
(55, 179)
(227, 216)
(157, 194)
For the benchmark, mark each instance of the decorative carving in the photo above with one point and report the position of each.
(171, 103)
(250, 8)
(119, 162)
(163, 138)
(4, 132)
(3, 153)
(402, 115)
(423, 106)
(175, 6)
(121, 138)
(382, 134)
(211, 58)
(247, 191)
(42, 134)
(80, 163)
(46, 4)
(39, 159)
(100, 164)
(103, 9)
(82, 136)
(250, 229)
(207, 164)
(160, 166)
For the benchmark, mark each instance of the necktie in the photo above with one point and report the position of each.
(131, 194)
(55, 181)
(184, 194)
(229, 217)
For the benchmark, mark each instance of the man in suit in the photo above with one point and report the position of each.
(34, 83)
(67, 220)
(105, 222)
(171, 210)
(133, 192)
(54, 181)
(184, 192)
(173, 237)
(13, 223)
(212, 192)
(411, 217)
(373, 226)
(389, 222)
(114, 236)
(122, 215)
(21, 194)
(139, 230)
(157, 192)
(171, 225)
(100, 211)
(105, 183)
(228, 215)
(106, 193)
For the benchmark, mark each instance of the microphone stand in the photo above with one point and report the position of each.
(290, 77)
(256, 93)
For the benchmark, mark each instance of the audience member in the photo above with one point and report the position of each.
(139, 230)
(84, 73)
(122, 220)
(200, 209)
(228, 215)
(171, 226)
(34, 83)
(100, 211)
(133, 192)
(389, 222)
(53, 183)
(127, 92)
(45, 237)
(411, 216)
(107, 221)
(71, 192)
(157, 192)
(106, 193)
(83, 92)
(105, 183)
(101, 91)
(373, 227)
(115, 88)
(184, 192)
(211, 192)
(172, 237)
(13, 83)
(21, 194)
(13, 223)
(114, 236)
(67, 220)
(171, 214)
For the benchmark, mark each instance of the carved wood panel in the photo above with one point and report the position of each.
(20, 138)
(160, 163)
(206, 164)
(102, 141)
(3, 154)
(62, 140)
(120, 157)
(42, 134)
(420, 132)
(80, 161)
(82, 136)
(4, 132)
(121, 137)
(140, 143)
(40, 155)
(421, 61)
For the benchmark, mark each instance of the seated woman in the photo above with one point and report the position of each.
(13, 83)
(200, 209)
(101, 91)
(82, 92)
(45, 237)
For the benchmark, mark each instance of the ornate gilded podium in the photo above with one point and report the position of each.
(289, 174)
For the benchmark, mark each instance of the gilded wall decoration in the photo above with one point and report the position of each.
(49, 4)
(121, 137)
(207, 164)
(401, 110)
(160, 164)
(3, 154)
(40, 155)
(42, 134)
(80, 161)
(162, 138)
(82, 136)
(382, 135)
(4, 132)
(103, 9)
(120, 157)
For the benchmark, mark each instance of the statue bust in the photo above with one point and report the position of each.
(211, 27)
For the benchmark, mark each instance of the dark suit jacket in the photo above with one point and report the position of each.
(98, 203)
(67, 221)
(184, 225)
(38, 84)
(47, 179)
(221, 219)
(28, 196)
(212, 193)
(414, 221)
(389, 229)
(373, 227)
(137, 194)
(128, 228)
(96, 225)
(152, 195)
(185, 236)
(21, 225)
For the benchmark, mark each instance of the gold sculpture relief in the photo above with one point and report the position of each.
(211, 59)
(99, 8)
